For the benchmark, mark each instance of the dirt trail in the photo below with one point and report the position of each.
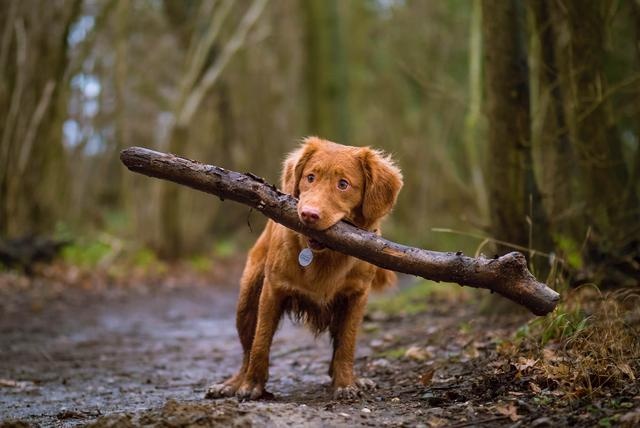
(144, 356)
(86, 355)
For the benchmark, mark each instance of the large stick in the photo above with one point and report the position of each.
(507, 275)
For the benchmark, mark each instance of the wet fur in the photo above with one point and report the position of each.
(332, 292)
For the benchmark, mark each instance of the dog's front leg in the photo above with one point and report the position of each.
(344, 331)
(269, 314)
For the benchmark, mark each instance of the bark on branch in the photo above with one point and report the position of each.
(507, 275)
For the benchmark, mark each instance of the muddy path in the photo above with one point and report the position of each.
(145, 356)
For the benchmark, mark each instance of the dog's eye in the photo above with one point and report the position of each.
(343, 184)
(311, 178)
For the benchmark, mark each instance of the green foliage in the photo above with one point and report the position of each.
(570, 251)
(393, 353)
(116, 222)
(412, 300)
(408, 301)
(607, 421)
(543, 400)
(86, 253)
(561, 324)
(225, 248)
(145, 258)
(201, 263)
(465, 327)
(411, 93)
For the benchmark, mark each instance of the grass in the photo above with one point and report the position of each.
(589, 344)
(393, 353)
(409, 301)
(86, 253)
(414, 299)
(418, 297)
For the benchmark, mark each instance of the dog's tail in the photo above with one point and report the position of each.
(383, 279)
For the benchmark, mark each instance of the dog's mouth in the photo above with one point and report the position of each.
(315, 245)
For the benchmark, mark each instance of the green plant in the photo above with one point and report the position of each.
(86, 253)
(393, 353)
(201, 263)
(224, 248)
(560, 324)
(416, 298)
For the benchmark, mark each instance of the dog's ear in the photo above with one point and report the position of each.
(294, 165)
(383, 181)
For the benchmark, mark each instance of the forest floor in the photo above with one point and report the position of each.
(143, 355)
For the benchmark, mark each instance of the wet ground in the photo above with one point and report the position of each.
(145, 355)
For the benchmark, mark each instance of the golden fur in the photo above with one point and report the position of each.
(331, 293)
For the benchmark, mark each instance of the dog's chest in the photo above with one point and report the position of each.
(324, 277)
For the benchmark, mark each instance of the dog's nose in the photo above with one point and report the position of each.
(309, 215)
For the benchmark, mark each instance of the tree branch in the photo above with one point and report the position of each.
(213, 72)
(507, 275)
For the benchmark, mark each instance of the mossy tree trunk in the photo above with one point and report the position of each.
(515, 207)
(550, 136)
(610, 221)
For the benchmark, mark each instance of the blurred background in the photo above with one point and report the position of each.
(515, 123)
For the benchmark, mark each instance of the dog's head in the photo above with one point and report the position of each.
(335, 182)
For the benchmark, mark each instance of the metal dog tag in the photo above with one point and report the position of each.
(305, 257)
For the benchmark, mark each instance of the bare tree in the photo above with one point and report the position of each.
(33, 59)
(197, 81)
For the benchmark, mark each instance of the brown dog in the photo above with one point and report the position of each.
(333, 182)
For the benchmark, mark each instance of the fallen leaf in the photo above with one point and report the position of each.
(631, 418)
(509, 410)
(626, 369)
(535, 388)
(560, 371)
(506, 348)
(471, 351)
(427, 376)
(417, 353)
(549, 354)
(435, 422)
(524, 364)
(580, 392)
(10, 383)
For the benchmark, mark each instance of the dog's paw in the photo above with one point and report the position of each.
(354, 390)
(348, 392)
(220, 390)
(252, 391)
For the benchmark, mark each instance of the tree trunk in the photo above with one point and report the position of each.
(471, 134)
(33, 60)
(201, 74)
(611, 216)
(507, 275)
(515, 207)
(550, 136)
(122, 183)
(327, 87)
